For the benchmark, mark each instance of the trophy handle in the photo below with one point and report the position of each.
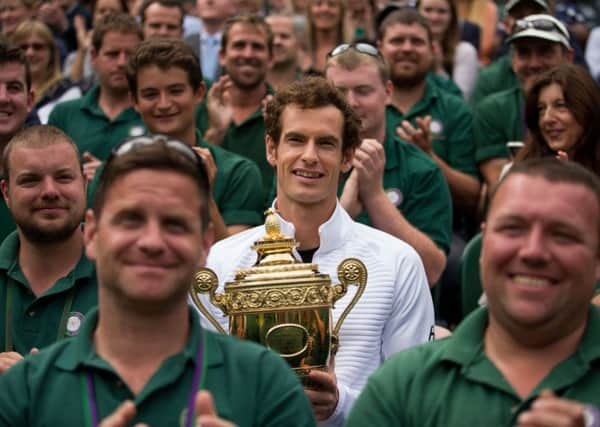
(206, 282)
(351, 271)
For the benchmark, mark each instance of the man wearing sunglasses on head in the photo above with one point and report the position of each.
(393, 186)
(142, 357)
(538, 43)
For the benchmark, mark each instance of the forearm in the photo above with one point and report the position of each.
(214, 136)
(76, 71)
(491, 170)
(219, 226)
(386, 217)
(465, 188)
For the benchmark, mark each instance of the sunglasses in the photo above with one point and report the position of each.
(542, 24)
(359, 47)
(132, 144)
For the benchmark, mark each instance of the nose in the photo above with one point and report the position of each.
(123, 58)
(151, 240)
(352, 99)
(164, 101)
(3, 92)
(49, 188)
(534, 248)
(309, 155)
(547, 115)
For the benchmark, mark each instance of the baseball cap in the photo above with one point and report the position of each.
(541, 26)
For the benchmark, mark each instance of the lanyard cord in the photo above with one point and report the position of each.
(91, 409)
(10, 293)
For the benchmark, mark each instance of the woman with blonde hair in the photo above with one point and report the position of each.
(485, 14)
(327, 27)
(47, 82)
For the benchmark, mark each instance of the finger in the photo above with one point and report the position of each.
(325, 381)
(204, 404)
(424, 123)
(547, 419)
(409, 128)
(89, 157)
(34, 350)
(403, 134)
(121, 416)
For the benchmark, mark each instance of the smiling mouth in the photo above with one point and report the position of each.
(532, 281)
(308, 174)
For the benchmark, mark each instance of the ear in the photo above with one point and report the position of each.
(347, 157)
(222, 57)
(271, 148)
(4, 188)
(570, 55)
(199, 94)
(93, 56)
(133, 101)
(389, 89)
(90, 231)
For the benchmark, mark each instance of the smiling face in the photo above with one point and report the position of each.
(532, 56)
(285, 42)
(38, 53)
(12, 13)
(15, 99)
(148, 241)
(45, 192)
(540, 257)
(167, 102)
(407, 49)
(246, 56)
(558, 126)
(438, 15)
(325, 14)
(308, 157)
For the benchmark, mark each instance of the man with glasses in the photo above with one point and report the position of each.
(148, 233)
(531, 357)
(538, 43)
(312, 134)
(47, 285)
(393, 186)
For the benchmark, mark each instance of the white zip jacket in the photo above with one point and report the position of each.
(394, 313)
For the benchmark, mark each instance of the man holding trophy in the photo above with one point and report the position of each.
(312, 134)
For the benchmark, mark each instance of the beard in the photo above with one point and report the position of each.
(408, 81)
(44, 235)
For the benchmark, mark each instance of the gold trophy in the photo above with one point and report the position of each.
(281, 303)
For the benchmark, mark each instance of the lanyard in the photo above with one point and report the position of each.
(10, 294)
(91, 409)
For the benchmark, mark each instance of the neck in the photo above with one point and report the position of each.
(244, 98)
(306, 219)
(212, 26)
(403, 98)
(136, 343)
(526, 357)
(326, 37)
(282, 76)
(113, 103)
(378, 134)
(188, 136)
(44, 264)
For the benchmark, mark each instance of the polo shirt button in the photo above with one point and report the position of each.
(31, 313)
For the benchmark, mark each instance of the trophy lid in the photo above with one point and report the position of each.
(275, 259)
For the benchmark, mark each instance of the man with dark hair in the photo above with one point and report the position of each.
(231, 117)
(148, 233)
(16, 102)
(287, 44)
(162, 18)
(46, 282)
(312, 134)
(104, 116)
(531, 357)
(166, 86)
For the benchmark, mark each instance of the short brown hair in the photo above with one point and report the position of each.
(157, 156)
(164, 54)
(40, 136)
(117, 22)
(404, 16)
(311, 93)
(165, 3)
(247, 19)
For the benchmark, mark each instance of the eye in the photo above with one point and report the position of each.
(176, 226)
(128, 219)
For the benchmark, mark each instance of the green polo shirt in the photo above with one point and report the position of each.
(446, 84)
(36, 321)
(496, 77)
(418, 188)
(237, 188)
(251, 386)
(85, 122)
(246, 139)
(451, 126)
(498, 120)
(452, 382)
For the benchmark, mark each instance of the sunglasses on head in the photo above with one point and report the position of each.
(542, 24)
(359, 47)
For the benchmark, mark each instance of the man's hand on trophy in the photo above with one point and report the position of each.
(323, 393)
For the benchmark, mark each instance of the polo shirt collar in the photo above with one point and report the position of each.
(333, 233)
(9, 250)
(90, 103)
(258, 113)
(79, 353)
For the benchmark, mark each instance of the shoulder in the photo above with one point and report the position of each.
(233, 247)
(498, 99)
